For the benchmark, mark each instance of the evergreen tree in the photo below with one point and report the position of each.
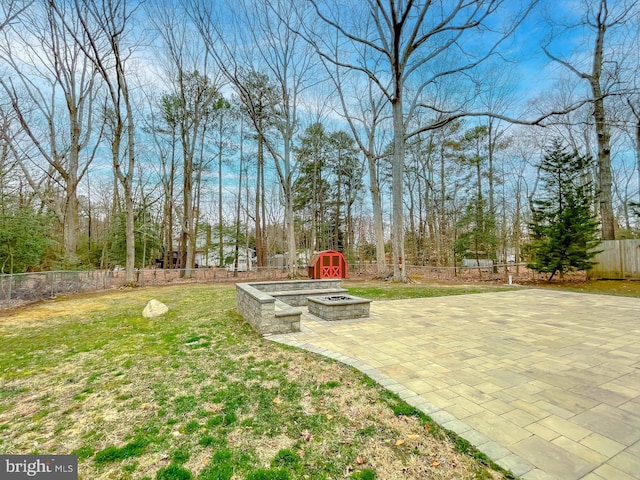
(24, 237)
(311, 189)
(564, 228)
(477, 239)
(345, 186)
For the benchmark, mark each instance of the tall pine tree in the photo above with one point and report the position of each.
(564, 228)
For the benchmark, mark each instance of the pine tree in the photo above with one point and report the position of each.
(24, 237)
(564, 228)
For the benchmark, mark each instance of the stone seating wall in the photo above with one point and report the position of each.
(267, 306)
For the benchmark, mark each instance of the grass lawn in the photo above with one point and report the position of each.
(624, 288)
(376, 290)
(197, 394)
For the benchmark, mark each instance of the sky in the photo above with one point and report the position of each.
(526, 68)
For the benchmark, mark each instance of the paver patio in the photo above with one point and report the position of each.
(546, 383)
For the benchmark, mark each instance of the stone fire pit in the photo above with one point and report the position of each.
(339, 307)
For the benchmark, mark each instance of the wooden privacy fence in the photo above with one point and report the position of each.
(619, 259)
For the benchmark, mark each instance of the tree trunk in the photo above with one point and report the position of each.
(187, 213)
(413, 250)
(130, 236)
(517, 233)
(638, 153)
(374, 188)
(221, 261)
(236, 255)
(603, 135)
(71, 227)
(128, 186)
(491, 141)
(195, 216)
(397, 177)
(291, 233)
(260, 244)
(336, 233)
(443, 253)
(263, 207)
(604, 165)
(167, 259)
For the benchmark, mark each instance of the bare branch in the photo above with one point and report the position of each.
(347, 34)
(11, 11)
(449, 117)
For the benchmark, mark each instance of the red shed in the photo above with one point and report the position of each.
(328, 264)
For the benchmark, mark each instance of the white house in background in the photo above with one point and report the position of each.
(210, 257)
(246, 258)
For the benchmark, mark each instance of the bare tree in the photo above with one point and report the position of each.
(365, 112)
(10, 10)
(410, 39)
(601, 18)
(193, 99)
(265, 42)
(635, 111)
(163, 131)
(103, 39)
(625, 191)
(521, 181)
(8, 162)
(632, 103)
(42, 52)
(259, 101)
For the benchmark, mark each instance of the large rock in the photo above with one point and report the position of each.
(154, 309)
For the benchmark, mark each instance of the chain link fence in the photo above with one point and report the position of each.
(23, 288)
(499, 272)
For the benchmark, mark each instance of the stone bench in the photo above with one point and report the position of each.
(298, 298)
(269, 307)
(260, 310)
(291, 285)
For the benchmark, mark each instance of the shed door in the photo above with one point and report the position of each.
(330, 266)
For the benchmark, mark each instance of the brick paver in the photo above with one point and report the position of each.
(546, 383)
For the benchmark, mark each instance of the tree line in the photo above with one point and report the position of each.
(395, 132)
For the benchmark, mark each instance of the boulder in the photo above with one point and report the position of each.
(154, 309)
